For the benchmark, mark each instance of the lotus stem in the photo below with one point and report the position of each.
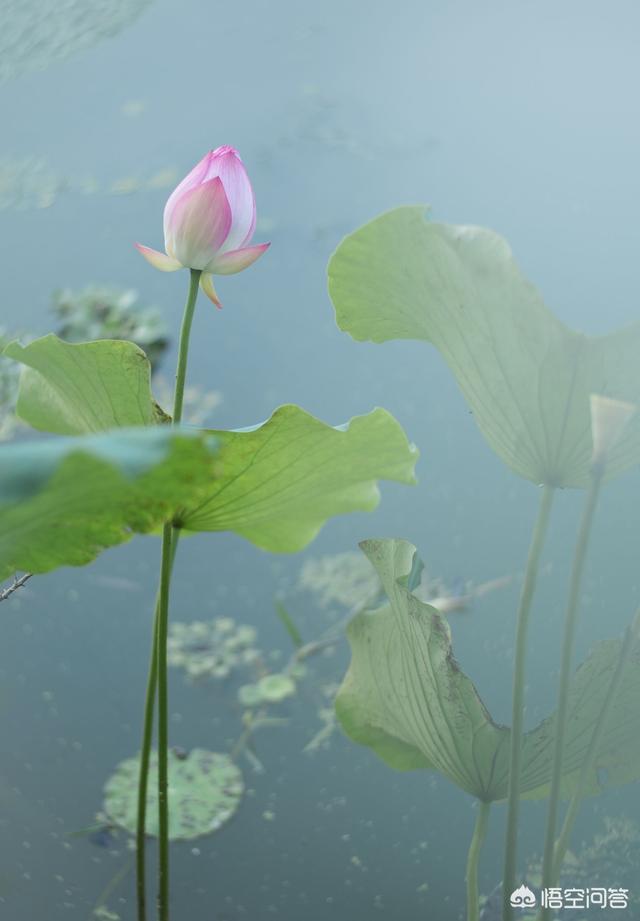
(479, 834)
(157, 677)
(517, 716)
(628, 644)
(565, 677)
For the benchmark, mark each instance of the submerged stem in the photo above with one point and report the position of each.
(157, 677)
(565, 677)
(517, 719)
(628, 644)
(479, 834)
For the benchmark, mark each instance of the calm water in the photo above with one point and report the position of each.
(518, 116)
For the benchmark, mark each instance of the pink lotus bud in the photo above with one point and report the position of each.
(209, 220)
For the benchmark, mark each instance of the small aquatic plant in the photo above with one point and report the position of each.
(123, 465)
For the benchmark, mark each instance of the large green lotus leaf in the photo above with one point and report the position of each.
(525, 375)
(72, 389)
(405, 697)
(64, 500)
(205, 789)
(282, 480)
(404, 694)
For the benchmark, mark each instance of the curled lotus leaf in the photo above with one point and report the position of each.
(205, 790)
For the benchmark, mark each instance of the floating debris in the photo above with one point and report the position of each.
(347, 579)
(211, 649)
(27, 183)
(38, 33)
(205, 790)
(105, 312)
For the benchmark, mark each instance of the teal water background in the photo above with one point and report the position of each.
(520, 117)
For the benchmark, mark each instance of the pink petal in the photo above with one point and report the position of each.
(238, 259)
(206, 283)
(159, 260)
(197, 175)
(225, 162)
(199, 224)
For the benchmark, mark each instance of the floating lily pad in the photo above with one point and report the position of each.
(274, 688)
(205, 790)
(270, 689)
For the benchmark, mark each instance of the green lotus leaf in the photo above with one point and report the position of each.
(282, 480)
(526, 376)
(405, 697)
(64, 500)
(205, 790)
(73, 389)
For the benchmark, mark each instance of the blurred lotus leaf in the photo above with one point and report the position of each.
(64, 500)
(99, 312)
(270, 689)
(205, 790)
(526, 376)
(38, 33)
(212, 649)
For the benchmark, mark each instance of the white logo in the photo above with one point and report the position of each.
(522, 898)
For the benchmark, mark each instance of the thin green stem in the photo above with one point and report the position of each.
(157, 677)
(145, 755)
(565, 678)
(479, 834)
(183, 348)
(163, 726)
(628, 645)
(517, 716)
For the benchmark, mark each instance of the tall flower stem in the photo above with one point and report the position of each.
(628, 645)
(565, 677)
(157, 677)
(517, 716)
(479, 834)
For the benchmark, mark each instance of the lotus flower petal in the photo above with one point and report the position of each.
(238, 259)
(225, 162)
(159, 260)
(199, 224)
(197, 176)
(206, 283)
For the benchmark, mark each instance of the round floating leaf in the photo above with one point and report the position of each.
(274, 688)
(249, 695)
(205, 789)
(527, 377)
(64, 500)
